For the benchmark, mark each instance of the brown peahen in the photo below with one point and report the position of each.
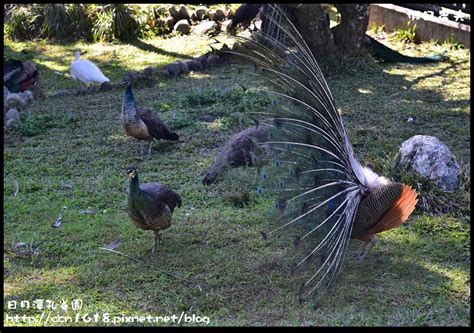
(238, 151)
(318, 185)
(141, 123)
(151, 205)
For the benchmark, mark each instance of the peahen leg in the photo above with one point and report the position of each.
(149, 149)
(367, 246)
(158, 241)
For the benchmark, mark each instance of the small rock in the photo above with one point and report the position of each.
(203, 61)
(182, 26)
(13, 114)
(201, 13)
(204, 27)
(183, 67)
(27, 96)
(213, 59)
(211, 15)
(15, 101)
(183, 13)
(174, 12)
(194, 65)
(432, 159)
(150, 71)
(172, 69)
(220, 15)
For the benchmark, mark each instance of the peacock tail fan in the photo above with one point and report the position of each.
(313, 175)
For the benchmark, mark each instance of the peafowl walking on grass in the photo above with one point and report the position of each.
(151, 205)
(86, 72)
(141, 123)
(319, 187)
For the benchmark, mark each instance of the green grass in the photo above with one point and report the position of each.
(70, 160)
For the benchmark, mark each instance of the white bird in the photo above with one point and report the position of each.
(86, 71)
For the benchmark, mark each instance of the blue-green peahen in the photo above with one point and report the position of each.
(141, 123)
(151, 205)
(318, 185)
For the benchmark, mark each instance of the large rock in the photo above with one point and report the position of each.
(183, 13)
(204, 27)
(201, 13)
(182, 26)
(432, 159)
(220, 14)
(174, 12)
(13, 115)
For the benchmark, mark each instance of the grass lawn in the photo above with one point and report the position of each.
(73, 150)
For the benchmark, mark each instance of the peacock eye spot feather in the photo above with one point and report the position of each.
(260, 190)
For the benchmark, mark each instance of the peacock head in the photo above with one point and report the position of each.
(132, 172)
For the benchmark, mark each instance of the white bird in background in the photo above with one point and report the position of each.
(86, 71)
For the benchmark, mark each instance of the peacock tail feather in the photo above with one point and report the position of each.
(314, 177)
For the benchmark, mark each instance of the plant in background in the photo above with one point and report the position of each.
(152, 21)
(114, 21)
(80, 18)
(56, 23)
(24, 22)
(407, 35)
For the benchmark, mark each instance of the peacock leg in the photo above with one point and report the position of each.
(367, 246)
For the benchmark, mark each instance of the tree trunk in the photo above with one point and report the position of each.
(349, 36)
(312, 24)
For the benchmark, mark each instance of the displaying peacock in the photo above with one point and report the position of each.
(318, 185)
(151, 205)
(86, 71)
(141, 123)
(238, 151)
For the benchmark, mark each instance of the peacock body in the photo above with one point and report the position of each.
(151, 205)
(86, 71)
(318, 185)
(141, 123)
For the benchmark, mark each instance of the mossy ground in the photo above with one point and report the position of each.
(72, 163)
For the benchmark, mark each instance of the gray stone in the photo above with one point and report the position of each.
(201, 13)
(174, 12)
(183, 67)
(211, 14)
(12, 114)
(213, 59)
(432, 159)
(194, 65)
(182, 26)
(15, 101)
(203, 61)
(220, 15)
(204, 27)
(183, 13)
(172, 69)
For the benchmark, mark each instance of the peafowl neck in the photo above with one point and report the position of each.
(129, 108)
